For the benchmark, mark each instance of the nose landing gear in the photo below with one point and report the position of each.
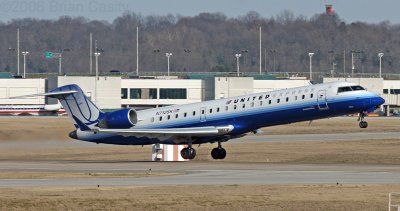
(363, 123)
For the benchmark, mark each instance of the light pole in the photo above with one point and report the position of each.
(156, 51)
(60, 59)
(238, 55)
(333, 62)
(333, 69)
(187, 51)
(352, 61)
(96, 55)
(310, 55)
(380, 64)
(24, 53)
(168, 55)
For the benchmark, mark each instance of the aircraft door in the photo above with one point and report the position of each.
(321, 99)
(203, 111)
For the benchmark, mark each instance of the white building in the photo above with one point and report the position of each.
(105, 92)
(235, 86)
(114, 92)
(146, 93)
(12, 87)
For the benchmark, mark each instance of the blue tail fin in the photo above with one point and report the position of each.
(83, 112)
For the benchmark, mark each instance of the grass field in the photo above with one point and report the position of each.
(201, 197)
(46, 139)
(26, 139)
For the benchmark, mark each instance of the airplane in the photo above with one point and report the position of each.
(214, 121)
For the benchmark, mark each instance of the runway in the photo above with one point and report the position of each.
(202, 173)
(322, 137)
(199, 172)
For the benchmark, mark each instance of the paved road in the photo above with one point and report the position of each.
(322, 137)
(202, 173)
(51, 144)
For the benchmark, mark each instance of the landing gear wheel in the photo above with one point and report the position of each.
(218, 153)
(192, 153)
(363, 124)
(214, 153)
(184, 153)
(188, 153)
(222, 153)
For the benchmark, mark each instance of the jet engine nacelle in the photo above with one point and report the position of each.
(121, 119)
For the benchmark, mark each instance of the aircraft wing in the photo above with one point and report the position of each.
(171, 132)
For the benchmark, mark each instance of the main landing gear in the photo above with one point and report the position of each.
(216, 153)
(363, 123)
(188, 152)
(219, 152)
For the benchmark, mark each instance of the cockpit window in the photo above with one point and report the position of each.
(344, 89)
(350, 88)
(355, 88)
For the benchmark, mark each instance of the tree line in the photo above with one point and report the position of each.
(206, 42)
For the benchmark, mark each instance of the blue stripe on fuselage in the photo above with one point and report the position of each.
(246, 120)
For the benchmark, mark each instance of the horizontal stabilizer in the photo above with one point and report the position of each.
(56, 94)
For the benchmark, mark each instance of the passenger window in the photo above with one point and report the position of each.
(184, 114)
(234, 107)
(202, 111)
(218, 109)
(295, 97)
(311, 95)
(160, 118)
(152, 119)
(270, 101)
(169, 117)
(210, 110)
(287, 99)
(279, 100)
(261, 102)
(194, 113)
(226, 108)
(244, 106)
(252, 104)
(303, 96)
(176, 116)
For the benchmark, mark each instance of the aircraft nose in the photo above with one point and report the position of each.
(380, 100)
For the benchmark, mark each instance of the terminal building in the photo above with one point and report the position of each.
(114, 92)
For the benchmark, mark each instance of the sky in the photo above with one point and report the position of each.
(370, 11)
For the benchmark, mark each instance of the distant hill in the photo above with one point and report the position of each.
(210, 40)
